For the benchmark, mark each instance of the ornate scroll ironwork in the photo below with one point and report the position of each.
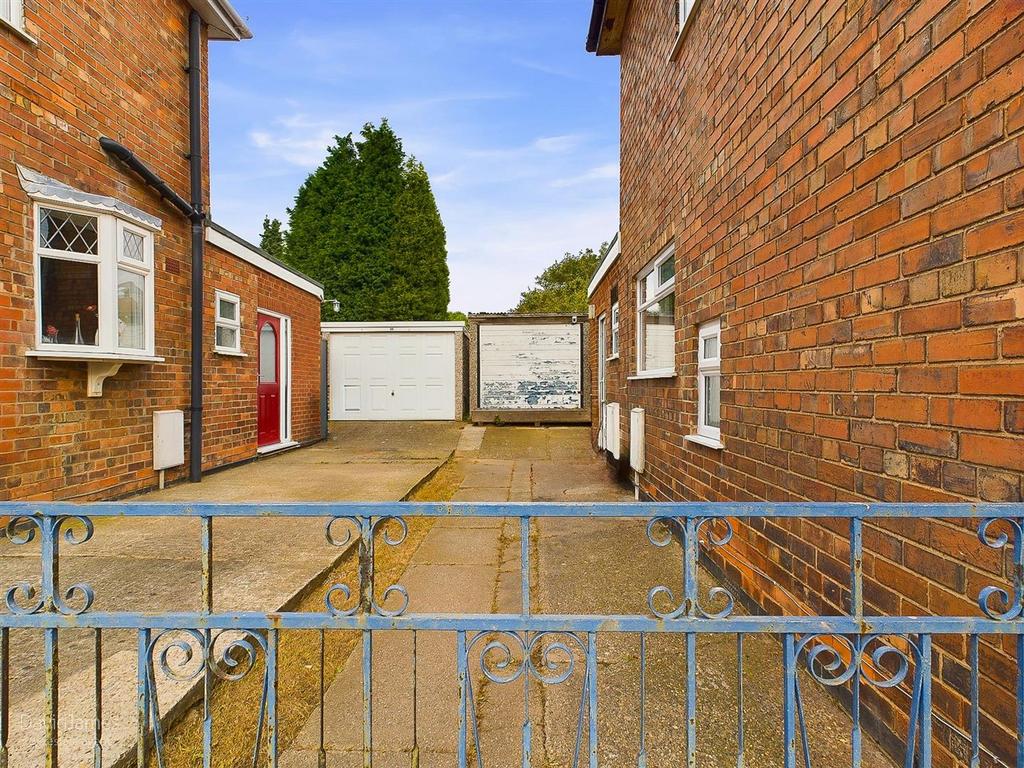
(344, 599)
(689, 533)
(1012, 605)
(23, 598)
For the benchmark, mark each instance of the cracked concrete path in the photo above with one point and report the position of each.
(153, 565)
(581, 566)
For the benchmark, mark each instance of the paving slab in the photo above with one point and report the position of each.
(153, 564)
(580, 566)
(462, 566)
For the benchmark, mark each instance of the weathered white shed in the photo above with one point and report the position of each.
(528, 368)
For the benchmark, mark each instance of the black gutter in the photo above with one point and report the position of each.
(596, 22)
(195, 213)
(195, 126)
(128, 158)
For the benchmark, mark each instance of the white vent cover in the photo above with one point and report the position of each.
(168, 439)
(637, 439)
(612, 430)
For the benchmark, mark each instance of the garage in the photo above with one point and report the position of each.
(528, 368)
(395, 371)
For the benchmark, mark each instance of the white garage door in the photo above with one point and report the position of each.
(531, 367)
(392, 376)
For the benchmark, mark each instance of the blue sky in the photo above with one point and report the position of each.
(516, 124)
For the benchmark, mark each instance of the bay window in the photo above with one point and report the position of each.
(656, 317)
(94, 284)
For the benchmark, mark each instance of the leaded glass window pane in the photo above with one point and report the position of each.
(133, 246)
(70, 232)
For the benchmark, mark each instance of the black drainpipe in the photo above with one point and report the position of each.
(195, 213)
(198, 217)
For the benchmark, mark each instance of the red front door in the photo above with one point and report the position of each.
(268, 417)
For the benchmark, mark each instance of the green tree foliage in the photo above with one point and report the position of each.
(562, 287)
(366, 225)
(272, 240)
(457, 317)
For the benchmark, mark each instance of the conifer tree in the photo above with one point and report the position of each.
(366, 225)
(272, 238)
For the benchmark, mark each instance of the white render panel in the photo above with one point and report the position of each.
(392, 376)
(531, 367)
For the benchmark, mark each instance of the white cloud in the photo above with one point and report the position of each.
(605, 172)
(558, 144)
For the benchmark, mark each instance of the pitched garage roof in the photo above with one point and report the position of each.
(228, 241)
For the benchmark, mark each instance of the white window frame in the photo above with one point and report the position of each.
(708, 367)
(659, 292)
(108, 260)
(16, 20)
(683, 11)
(226, 322)
(614, 335)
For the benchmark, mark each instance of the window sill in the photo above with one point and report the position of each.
(101, 365)
(611, 358)
(5, 24)
(708, 442)
(651, 375)
(229, 353)
(92, 357)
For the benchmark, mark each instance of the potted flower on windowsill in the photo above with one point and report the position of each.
(50, 337)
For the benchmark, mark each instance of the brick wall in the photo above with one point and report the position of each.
(56, 102)
(843, 181)
(98, 71)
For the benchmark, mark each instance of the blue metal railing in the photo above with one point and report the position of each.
(847, 651)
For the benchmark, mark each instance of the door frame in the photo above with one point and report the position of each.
(284, 363)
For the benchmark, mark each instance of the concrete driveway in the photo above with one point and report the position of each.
(153, 564)
(360, 461)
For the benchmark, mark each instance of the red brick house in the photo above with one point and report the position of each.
(818, 292)
(97, 244)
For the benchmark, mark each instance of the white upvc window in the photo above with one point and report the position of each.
(682, 13)
(93, 285)
(12, 14)
(615, 332)
(656, 317)
(227, 310)
(683, 10)
(709, 380)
